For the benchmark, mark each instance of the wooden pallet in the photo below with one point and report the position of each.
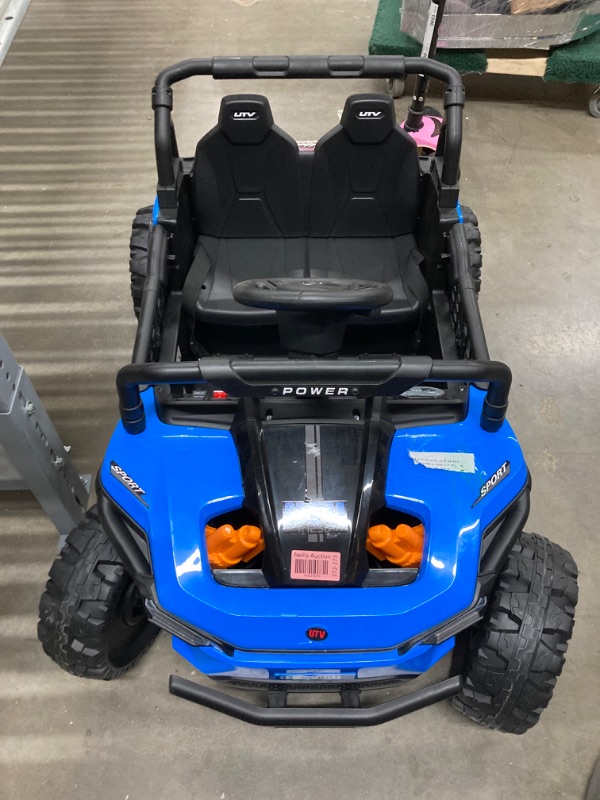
(531, 63)
(517, 62)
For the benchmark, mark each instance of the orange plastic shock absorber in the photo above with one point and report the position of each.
(402, 545)
(227, 546)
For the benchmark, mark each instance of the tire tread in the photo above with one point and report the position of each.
(75, 608)
(471, 224)
(138, 254)
(513, 669)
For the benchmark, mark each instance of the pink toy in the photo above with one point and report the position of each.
(427, 136)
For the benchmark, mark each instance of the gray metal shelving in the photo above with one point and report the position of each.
(32, 455)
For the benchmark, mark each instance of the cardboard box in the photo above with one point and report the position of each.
(535, 6)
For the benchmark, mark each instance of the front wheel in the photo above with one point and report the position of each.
(519, 650)
(92, 617)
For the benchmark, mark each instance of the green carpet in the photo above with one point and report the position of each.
(575, 62)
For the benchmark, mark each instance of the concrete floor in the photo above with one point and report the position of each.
(76, 162)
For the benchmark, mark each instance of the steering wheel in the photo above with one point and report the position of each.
(313, 294)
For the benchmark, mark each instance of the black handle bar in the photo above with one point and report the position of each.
(307, 67)
(252, 67)
(274, 377)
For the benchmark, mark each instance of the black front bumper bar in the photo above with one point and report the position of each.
(296, 717)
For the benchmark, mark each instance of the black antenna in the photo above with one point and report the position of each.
(414, 121)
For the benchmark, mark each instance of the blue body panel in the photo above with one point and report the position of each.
(191, 474)
(265, 666)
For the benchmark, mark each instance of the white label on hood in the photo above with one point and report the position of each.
(452, 462)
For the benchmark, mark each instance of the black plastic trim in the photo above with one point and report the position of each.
(313, 687)
(405, 412)
(315, 717)
(155, 280)
(241, 578)
(116, 522)
(457, 625)
(460, 260)
(173, 626)
(448, 628)
(263, 377)
(255, 578)
(512, 521)
(390, 576)
(378, 435)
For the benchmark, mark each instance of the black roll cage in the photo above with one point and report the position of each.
(302, 67)
(267, 377)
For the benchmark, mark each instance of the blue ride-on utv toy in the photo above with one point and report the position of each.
(313, 486)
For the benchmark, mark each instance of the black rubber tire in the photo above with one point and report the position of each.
(518, 652)
(138, 254)
(471, 224)
(92, 619)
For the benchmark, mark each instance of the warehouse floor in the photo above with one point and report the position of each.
(76, 161)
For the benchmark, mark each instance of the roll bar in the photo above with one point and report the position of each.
(274, 377)
(252, 67)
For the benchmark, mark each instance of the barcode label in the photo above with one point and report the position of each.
(315, 565)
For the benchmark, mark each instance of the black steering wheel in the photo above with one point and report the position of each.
(313, 294)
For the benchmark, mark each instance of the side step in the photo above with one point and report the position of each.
(340, 717)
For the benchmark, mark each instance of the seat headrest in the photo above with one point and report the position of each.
(369, 118)
(245, 118)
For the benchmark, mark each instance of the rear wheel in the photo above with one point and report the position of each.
(519, 650)
(138, 254)
(471, 224)
(92, 617)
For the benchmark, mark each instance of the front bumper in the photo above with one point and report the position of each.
(349, 714)
(312, 671)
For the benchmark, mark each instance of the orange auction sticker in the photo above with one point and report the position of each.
(315, 565)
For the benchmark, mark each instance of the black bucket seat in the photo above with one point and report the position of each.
(263, 210)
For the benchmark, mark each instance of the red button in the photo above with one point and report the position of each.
(219, 395)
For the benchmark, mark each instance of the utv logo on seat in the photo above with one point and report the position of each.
(369, 114)
(244, 114)
(490, 484)
(316, 391)
(120, 474)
